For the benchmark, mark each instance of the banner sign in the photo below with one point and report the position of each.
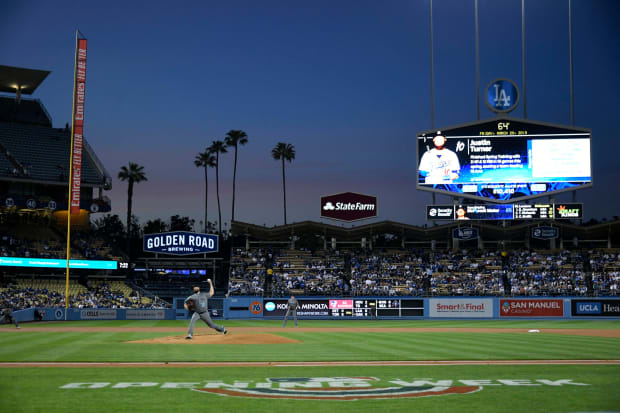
(146, 315)
(96, 314)
(60, 263)
(337, 307)
(181, 243)
(461, 308)
(311, 308)
(531, 308)
(78, 123)
(348, 206)
(504, 212)
(545, 232)
(595, 308)
(568, 211)
(465, 233)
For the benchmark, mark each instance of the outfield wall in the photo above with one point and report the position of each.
(325, 308)
(427, 308)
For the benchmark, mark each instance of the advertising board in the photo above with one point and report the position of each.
(97, 314)
(460, 307)
(54, 263)
(348, 206)
(180, 243)
(145, 314)
(545, 232)
(531, 308)
(595, 308)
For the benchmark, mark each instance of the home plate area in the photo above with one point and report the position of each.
(220, 339)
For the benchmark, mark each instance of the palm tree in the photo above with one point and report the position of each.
(207, 160)
(216, 148)
(233, 139)
(285, 152)
(134, 173)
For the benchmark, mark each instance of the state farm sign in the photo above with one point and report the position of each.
(531, 308)
(348, 206)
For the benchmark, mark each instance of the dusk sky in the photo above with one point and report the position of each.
(346, 82)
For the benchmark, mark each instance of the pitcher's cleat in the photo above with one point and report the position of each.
(188, 338)
(225, 331)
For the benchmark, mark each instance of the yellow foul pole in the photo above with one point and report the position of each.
(71, 177)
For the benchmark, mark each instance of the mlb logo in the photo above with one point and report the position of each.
(589, 308)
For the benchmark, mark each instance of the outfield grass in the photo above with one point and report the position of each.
(29, 389)
(38, 390)
(42, 345)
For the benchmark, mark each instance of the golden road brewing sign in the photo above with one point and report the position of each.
(181, 243)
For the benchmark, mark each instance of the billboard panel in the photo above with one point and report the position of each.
(531, 308)
(348, 206)
(595, 308)
(504, 159)
(79, 91)
(460, 307)
(180, 243)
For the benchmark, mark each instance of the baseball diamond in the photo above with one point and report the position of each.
(309, 206)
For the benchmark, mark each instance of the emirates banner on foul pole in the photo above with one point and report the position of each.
(78, 123)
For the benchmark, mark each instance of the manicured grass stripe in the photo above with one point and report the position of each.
(41, 386)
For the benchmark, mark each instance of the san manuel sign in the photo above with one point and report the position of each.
(180, 243)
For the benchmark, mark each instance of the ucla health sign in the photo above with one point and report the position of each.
(181, 243)
(596, 308)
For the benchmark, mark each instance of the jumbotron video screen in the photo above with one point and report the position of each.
(504, 159)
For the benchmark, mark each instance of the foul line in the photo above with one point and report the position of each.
(309, 363)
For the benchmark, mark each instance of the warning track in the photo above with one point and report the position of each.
(173, 364)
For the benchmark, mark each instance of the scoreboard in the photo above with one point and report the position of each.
(504, 211)
(345, 308)
(381, 308)
(504, 160)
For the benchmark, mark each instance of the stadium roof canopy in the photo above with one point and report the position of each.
(489, 231)
(26, 80)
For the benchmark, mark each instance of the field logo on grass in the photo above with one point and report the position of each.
(333, 388)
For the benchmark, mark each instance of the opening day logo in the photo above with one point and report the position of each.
(332, 388)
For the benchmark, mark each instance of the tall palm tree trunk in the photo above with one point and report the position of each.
(217, 187)
(284, 187)
(234, 182)
(206, 198)
(129, 201)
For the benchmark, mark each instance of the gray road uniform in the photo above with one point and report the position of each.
(200, 311)
(6, 316)
(292, 305)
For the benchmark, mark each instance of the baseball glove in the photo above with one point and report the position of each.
(190, 306)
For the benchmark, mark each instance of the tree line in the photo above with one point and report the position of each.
(209, 158)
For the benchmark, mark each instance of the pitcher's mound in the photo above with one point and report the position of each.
(220, 339)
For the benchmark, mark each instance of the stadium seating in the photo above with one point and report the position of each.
(424, 273)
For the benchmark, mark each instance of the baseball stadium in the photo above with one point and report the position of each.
(449, 252)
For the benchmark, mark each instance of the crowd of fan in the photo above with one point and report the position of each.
(85, 245)
(100, 296)
(425, 273)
